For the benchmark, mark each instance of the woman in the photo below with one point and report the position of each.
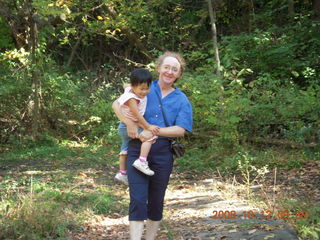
(147, 192)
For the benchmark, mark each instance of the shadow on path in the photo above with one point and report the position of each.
(188, 215)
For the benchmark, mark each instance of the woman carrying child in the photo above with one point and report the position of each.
(147, 192)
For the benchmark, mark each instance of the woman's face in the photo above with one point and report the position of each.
(169, 71)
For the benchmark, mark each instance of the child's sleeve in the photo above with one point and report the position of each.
(126, 96)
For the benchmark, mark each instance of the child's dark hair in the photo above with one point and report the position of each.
(139, 76)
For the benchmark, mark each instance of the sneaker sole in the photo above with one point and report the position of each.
(142, 170)
(120, 181)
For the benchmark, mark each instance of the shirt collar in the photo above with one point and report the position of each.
(157, 88)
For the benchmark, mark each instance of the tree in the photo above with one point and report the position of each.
(291, 7)
(214, 37)
(23, 18)
(316, 9)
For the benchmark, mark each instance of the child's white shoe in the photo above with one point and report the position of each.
(143, 167)
(121, 178)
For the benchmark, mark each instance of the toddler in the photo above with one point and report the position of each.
(133, 104)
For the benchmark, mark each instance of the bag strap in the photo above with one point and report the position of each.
(163, 114)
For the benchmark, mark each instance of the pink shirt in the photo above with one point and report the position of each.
(128, 94)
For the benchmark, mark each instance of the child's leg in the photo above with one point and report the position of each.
(122, 129)
(141, 163)
(145, 149)
(122, 174)
(123, 162)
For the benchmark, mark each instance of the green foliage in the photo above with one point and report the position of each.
(205, 161)
(308, 225)
(70, 103)
(285, 54)
(285, 112)
(5, 40)
(268, 71)
(217, 111)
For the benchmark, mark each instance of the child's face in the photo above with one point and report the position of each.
(141, 90)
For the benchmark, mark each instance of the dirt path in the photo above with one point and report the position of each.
(189, 211)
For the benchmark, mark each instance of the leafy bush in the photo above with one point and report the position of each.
(268, 89)
(285, 53)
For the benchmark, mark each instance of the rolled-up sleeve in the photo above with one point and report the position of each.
(185, 116)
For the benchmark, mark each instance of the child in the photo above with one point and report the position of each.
(133, 104)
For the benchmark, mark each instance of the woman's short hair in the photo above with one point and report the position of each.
(174, 55)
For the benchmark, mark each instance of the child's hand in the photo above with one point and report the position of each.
(154, 129)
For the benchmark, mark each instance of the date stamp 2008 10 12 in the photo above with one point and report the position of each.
(265, 214)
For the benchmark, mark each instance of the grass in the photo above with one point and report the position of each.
(47, 192)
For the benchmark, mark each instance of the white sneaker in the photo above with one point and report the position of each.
(121, 178)
(143, 167)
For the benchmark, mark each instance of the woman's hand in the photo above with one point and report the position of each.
(145, 135)
(154, 129)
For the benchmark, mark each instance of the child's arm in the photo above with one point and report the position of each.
(133, 105)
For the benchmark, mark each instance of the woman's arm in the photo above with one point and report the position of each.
(131, 125)
(173, 131)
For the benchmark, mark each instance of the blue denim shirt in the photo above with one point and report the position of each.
(176, 106)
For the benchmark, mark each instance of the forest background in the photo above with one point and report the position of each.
(252, 76)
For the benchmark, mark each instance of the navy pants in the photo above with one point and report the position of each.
(147, 192)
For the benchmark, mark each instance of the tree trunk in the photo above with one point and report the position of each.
(212, 13)
(75, 47)
(214, 36)
(251, 15)
(290, 7)
(33, 37)
(316, 9)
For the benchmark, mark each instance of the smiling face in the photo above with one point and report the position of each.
(169, 71)
(141, 90)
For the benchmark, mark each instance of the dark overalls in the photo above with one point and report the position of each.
(147, 192)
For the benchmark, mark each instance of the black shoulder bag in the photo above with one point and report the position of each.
(178, 149)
